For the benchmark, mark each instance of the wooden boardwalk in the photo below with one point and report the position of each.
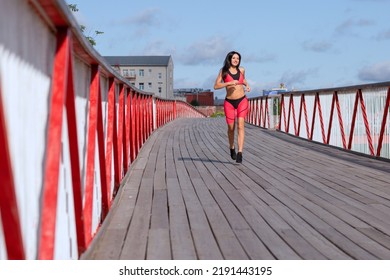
(184, 198)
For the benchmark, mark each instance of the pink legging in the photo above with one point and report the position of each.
(233, 107)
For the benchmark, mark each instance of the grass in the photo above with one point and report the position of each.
(217, 114)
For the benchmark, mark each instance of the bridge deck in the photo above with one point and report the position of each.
(184, 198)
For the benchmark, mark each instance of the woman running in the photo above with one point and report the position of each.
(232, 77)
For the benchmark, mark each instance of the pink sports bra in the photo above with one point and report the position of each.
(231, 77)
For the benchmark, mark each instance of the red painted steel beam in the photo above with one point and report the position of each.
(289, 114)
(306, 116)
(111, 132)
(91, 146)
(313, 118)
(283, 112)
(128, 154)
(136, 102)
(354, 114)
(366, 124)
(74, 161)
(383, 126)
(293, 114)
(121, 134)
(332, 106)
(102, 154)
(95, 129)
(321, 118)
(52, 164)
(8, 201)
(133, 126)
(300, 115)
(342, 130)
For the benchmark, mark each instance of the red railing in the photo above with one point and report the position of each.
(354, 118)
(59, 180)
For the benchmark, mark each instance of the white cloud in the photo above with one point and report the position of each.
(378, 72)
(385, 35)
(321, 46)
(264, 57)
(294, 78)
(142, 22)
(349, 26)
(158, 47)
(148, 17)
(209, 51)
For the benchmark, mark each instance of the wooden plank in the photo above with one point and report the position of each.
(159, 247)
(134, 246)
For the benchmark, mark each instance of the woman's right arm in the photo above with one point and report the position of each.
(219, 82)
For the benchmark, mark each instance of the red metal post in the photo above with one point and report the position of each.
(313, 118)
(331, 117)
(300, 115)
(111, 141)
(74, 160)
(95, 128)
(121, 131)
(52, 164)
(289, 114)
(383, 126)
(283, 112)
(129, 119)
(102, 154)
(366, 124)
(340, 121)
(321, 118)
(133, 126)
(353, 120)
(293, 114)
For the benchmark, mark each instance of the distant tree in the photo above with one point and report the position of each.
(194, 102)
(73, 8)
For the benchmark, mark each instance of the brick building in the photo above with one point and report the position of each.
(203, 98)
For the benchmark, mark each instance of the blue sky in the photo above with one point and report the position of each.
(306, 44)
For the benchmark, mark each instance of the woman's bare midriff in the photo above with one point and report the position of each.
(235, 92)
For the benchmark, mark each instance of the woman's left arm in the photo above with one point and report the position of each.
(245, 82)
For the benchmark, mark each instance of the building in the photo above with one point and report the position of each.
(196, 96)
(152, 74)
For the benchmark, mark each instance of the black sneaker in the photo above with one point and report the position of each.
(239, 157)
(233, 153)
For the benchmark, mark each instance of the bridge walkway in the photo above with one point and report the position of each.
(184, 198)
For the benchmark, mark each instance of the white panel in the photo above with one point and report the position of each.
(65, 232)
(97, 194)
(3, 252)
(82, 77)
(25, 94)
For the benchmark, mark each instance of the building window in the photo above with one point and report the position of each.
(160, 75)
(125, 72)
(150, 72)
(132, 73)
(150, 85)
(141, 86)
(141, 72)
(159, 89)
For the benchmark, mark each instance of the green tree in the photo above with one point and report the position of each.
(194, 102)
(73, 8)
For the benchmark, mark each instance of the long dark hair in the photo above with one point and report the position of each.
(228, 63)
